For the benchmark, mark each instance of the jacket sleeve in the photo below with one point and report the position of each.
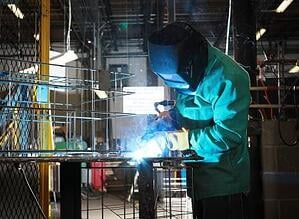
(230, 118)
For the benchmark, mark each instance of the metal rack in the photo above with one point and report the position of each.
(31, 101)
(23, 89)
(160, 190)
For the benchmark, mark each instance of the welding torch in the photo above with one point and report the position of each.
(170, 103)
(165, 134)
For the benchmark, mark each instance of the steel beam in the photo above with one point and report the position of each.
(44, 70)
(146, 11)
(171, 11)
(159, 14)
(244, 24)
(146, 190)
(70, 187)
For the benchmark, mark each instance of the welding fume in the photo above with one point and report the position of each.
(163, 134)
(209, 118)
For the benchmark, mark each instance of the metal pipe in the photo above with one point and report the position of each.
(284, 61)
(270, 88)
(171, 11)
(272, 106)
(125, 55)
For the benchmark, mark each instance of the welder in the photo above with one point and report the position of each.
(212, 100)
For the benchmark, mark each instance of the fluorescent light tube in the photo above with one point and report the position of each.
(283, 6)
(18, 13)
(295, 69)
(36, 37)
(54, 54)
(260, 33)
(30, 70)
(101, 94)
(69, 56)
(55, 58)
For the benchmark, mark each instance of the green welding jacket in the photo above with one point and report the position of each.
(217, 117)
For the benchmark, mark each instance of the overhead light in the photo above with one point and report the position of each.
(260, 33)
(54, 54)
(295, 69)
(36, 36)
(283, 6)
(55, 58)
(69, 56)
(58, 73)
(101, 94)
(18, 13)
(30, 70)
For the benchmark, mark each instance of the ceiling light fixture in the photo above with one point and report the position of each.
(54, 54)
(17, 12)
(69, 56)
(30, 70)
(283, 6)
(295, 69)
(260, 33)
(36, 37)
(55, 58)
(101, 94)
(58, 70)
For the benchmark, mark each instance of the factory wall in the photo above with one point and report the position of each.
(280, 170)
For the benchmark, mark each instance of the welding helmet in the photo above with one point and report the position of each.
(178, 54)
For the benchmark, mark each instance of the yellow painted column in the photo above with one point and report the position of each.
(45, 127)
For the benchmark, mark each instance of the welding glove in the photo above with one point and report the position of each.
(178, 140)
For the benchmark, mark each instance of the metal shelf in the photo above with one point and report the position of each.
(69, 101)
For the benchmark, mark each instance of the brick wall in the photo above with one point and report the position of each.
(280, 165)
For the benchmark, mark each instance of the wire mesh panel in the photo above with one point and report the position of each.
(118, 192)
(16, 199)
(17, 42)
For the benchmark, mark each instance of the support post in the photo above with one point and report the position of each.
(45, 131)
(146, 190)
(171, 11)
(70, 190)
(244, 24)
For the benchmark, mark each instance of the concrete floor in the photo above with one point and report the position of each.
(114, 207)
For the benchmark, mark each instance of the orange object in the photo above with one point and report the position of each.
(98, 176)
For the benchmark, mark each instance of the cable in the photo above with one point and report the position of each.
(19, 167)
(68, 36)
(228, 26)
(266, 97)
(296, 106)
(266, 59)
(295, 142)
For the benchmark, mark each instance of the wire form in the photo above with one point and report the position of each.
(112, 191)
(23, 108)
(16, 131)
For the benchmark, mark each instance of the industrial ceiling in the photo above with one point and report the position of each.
(133, 20)
(122, 23)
